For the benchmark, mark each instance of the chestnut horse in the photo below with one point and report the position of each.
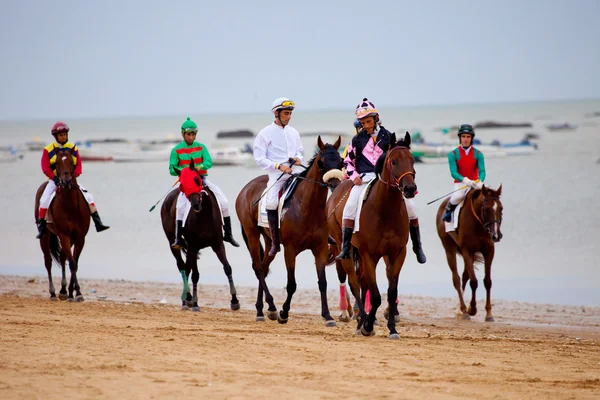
(70, 214)
(478, 229)
(203, 228)
(303, 227)
(384, 231)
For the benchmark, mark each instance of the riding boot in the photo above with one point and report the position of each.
(41, 226)
(228, 237)
(415, 237)
(273, 216)
(98, 222)
(346, 243)
(179, 243)
(447, 217)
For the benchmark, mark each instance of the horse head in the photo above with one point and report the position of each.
(396, 166)
(65, 167)
(491, 211)
(330, 162)
(192, 185)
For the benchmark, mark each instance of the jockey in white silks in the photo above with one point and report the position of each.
(277, 149)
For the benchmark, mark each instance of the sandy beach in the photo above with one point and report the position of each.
(131, 340)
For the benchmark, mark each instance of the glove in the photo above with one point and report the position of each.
(56, 180)
(468, 182)
(477, 185)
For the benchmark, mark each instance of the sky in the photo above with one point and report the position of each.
(107, 58)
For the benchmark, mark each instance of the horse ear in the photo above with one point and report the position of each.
(407, 139)
(499, 191)
(337, 143)
(320, 143)
(392, 140)
(192, 166)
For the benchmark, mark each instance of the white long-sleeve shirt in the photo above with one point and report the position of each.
(275, 145)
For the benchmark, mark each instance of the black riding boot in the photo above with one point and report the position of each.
(179, 243)
(273, 216)
(346, 243)
(41, 225)
(228, 237)
(98, 222)
(415, 237)
(448, 212)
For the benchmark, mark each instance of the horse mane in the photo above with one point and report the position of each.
(381, 159)
(314, 158)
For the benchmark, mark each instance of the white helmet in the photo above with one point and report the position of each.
(282, 103)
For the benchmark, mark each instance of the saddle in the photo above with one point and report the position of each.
(285, 195)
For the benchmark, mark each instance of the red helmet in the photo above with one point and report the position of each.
(59, 127)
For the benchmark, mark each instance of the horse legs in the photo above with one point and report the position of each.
(73, 283)
(222, 256)
(193, 267)
(290, 265)
(256, 254)
(393, 273)
(321, 255)
(345, 306)
(468, 258)
(487, 282)
(451, 258)
(465, 279)
(181, 267)
(62, 295)
(77, 249)
(45, 245)
(370, 283)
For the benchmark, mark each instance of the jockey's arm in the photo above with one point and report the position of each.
(174, 164)
(299, 150)
(350, 161)
(46, 165)
(207, 161)
(78, 166)
(481, 167)
(260, 154)
(453, 167)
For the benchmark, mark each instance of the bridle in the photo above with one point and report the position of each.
(396, 180)
(487, 224)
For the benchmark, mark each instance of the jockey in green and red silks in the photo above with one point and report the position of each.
(181, 157)
(60, 131)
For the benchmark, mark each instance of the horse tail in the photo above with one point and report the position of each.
(55, 248)
(477, 258)
(262, 249)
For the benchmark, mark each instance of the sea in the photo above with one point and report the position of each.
(551, 227)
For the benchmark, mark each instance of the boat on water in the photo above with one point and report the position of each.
(561, 127)
(10, 154)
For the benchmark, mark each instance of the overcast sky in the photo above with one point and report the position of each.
(117, 58)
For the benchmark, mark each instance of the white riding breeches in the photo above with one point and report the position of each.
(51, 187)
(354, 197)
(275, 184)
(182, 201)
(459, 195)
(411, 209)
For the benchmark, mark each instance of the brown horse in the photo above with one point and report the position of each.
(478, 229)
(70, 224)
(303, 227)
(384, 231)
(203, 228)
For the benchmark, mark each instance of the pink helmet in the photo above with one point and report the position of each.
(366, 109)
(59, 127)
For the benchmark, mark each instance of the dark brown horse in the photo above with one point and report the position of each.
(203, 228)
(70, 215)
(478, 229)
(384, 231)
(303, 227)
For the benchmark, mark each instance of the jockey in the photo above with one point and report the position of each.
(467, 167)
(181, 155)
(277, 148)
(366, 147)
(60, 131)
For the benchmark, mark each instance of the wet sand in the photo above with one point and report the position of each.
(131, 340)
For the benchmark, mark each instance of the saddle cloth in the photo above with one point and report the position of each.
(284, 195)
(363, 197)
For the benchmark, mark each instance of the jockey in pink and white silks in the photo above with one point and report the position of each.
(364, 151)
(277, 150)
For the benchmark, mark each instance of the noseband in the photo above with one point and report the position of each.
(485, 225)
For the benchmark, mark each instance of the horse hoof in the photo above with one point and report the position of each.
(190, 304)
(394, 336)
(235, 306)
(489, 319)
(330, 324)
(70, 300)
(260, 319)
(341, 318)
(79, 299)
(53, 298)
(364, 332)
(272, 315)
(466, 317)
(185, 308)
(357, 333)
(281, 320)
(196, 309)
(62, 296)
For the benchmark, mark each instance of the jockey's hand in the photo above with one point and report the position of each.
(468, 182)
(357, 180)
(296, 161)
(56, 180)
(285, 169)
(477, 184)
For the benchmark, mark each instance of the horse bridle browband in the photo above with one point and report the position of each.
(397, 180)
